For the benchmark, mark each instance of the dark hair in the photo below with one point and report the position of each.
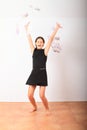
(39, 37)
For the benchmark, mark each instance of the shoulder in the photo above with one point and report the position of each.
(33, 51)
(45, 53)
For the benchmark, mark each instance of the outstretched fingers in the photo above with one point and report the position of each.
(59, 25)
(27, 25)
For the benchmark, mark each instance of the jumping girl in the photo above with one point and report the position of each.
(38, 76)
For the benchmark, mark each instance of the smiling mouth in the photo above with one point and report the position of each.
(39, 45)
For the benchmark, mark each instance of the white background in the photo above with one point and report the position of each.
(66, 70)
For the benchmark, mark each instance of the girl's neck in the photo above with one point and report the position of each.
(39, 48)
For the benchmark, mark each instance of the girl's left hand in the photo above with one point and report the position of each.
(59, 25)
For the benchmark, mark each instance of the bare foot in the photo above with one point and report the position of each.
(48, 112)
(33, 110)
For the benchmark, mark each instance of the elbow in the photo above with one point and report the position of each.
(51, 38)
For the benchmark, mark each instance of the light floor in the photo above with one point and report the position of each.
(64, 116)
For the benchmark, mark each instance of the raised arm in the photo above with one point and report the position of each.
(58, 26)
(29, 37)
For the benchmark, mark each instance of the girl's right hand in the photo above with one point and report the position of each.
(26, 26)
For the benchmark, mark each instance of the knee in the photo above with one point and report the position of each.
(30, 96)
(42, 96)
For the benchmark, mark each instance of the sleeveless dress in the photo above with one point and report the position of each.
(38, 75)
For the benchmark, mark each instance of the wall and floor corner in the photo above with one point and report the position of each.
(66, 70)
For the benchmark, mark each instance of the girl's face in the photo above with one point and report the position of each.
(39, 43)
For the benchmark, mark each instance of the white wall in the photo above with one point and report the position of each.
(66, 70)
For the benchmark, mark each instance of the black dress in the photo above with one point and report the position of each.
(38, 75)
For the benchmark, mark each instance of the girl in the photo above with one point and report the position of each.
(38, 75)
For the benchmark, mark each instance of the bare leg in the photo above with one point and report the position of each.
(43, 98)
(31, 90)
